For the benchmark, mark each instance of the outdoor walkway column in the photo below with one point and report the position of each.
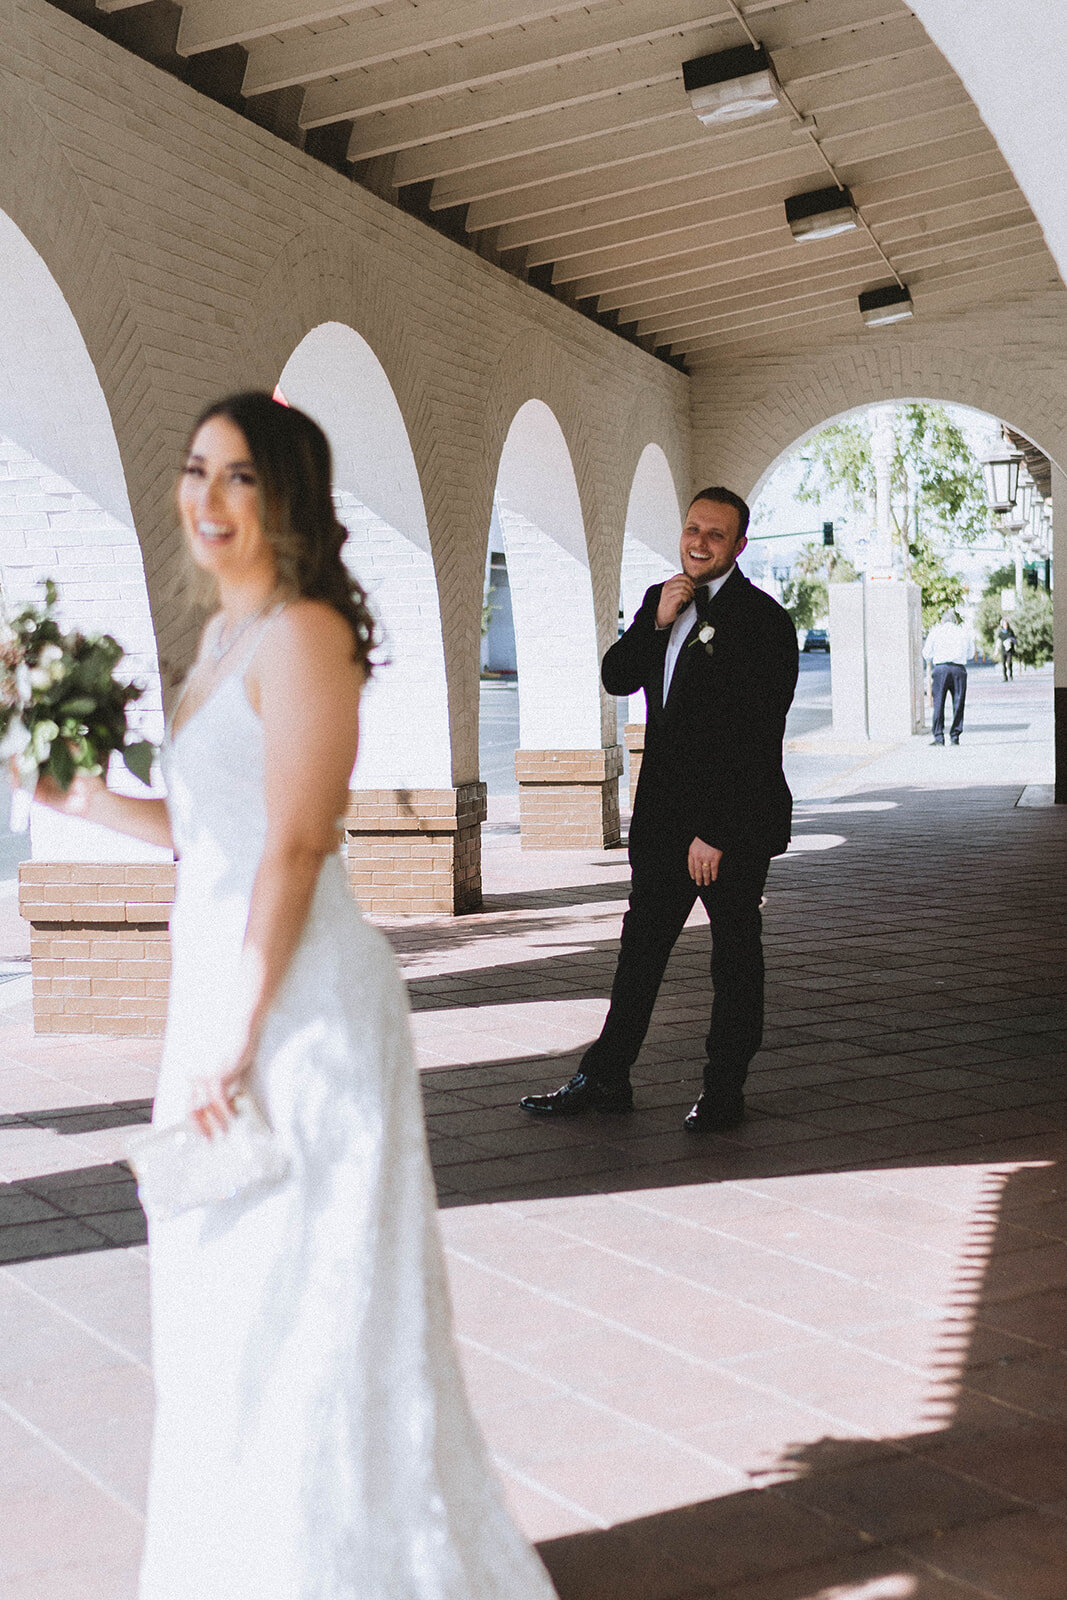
(569, 799)
(99, 944)
(416, 850)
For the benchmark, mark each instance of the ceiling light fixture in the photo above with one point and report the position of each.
(821, 214)
(892, 303)
(731, 85)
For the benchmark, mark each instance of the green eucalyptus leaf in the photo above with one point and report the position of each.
(60, 764)
(138, 758)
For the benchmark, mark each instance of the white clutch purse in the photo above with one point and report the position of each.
(179, 1168)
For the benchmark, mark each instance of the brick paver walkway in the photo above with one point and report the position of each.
(820, 1358)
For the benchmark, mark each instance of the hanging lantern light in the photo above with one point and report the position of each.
(1000, 469)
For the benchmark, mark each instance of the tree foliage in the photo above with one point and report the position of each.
(936, 493)
(1031, 620)
(806, 596)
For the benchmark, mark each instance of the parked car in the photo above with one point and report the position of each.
(817, 639)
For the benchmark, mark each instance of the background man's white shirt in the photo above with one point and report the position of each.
(682, 624)
(949, 641)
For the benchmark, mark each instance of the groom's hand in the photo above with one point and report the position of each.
(674, 597)
(704, 862)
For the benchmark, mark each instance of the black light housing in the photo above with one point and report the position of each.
(731, 85)
(891, 303)
(821, 213)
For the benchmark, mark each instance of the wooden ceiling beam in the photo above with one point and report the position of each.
(620, 65)
(683, 281)
(213, 24)
(675, 327)
(664, 200)
(651, 242)
(622, 173)
(278, 63)
(516, 34)
(498, 104)
(691, 288)
(533, 136)
(843, 304)
(630, 107)
(491, 66)
(859, 261)
(604, 147)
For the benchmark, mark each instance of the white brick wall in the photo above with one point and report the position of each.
(404, 738)
(48, 528)
(556, 642)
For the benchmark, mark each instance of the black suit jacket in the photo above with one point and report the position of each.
(712, 765)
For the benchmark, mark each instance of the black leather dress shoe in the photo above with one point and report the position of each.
(716, 1113)
(582, 1093)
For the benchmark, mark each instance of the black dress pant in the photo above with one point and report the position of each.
(949, 678)
(661, 899)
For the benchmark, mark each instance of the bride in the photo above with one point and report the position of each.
(312, 1439)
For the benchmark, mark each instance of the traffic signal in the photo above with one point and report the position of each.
(828, 533)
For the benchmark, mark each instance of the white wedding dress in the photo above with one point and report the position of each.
(313, 1440)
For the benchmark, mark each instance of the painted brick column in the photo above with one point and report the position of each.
(569, 799)
(99, 944)
(416, 850)
(634, 735)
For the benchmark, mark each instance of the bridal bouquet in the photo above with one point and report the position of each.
(62, 710)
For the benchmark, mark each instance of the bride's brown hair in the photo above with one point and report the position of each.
(294, 471)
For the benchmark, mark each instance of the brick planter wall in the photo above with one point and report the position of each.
(634, 735)
(99, 945)
(569, 799)
(416, 850)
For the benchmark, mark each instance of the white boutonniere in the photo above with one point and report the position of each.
(705, 636)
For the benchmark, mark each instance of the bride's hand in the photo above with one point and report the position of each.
(73, 802)
(214, 1099)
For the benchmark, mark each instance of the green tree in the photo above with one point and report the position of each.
(806, 596)
(1031, 619)
(936, 492)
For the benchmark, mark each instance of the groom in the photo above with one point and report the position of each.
(717, 659)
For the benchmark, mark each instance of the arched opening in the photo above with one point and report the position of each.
(65, 514)
(413, 839)
(649, 555)
(910, 543)
(335, 376)
(566, 800)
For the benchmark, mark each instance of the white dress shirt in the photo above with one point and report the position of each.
(682, 624)
(949, 641)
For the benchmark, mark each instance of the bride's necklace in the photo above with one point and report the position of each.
(223, 645)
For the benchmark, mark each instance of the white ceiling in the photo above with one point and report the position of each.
(558, 139)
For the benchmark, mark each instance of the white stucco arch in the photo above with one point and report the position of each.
(335, 376)
(64, 507)
(650, 540)
(537, 502)
(1011, 60)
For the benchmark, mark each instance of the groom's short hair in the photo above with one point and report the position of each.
(725, 497)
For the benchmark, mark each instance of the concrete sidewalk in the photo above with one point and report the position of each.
(820, 1358)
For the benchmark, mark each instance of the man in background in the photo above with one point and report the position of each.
(717, 660)
(949, 646)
